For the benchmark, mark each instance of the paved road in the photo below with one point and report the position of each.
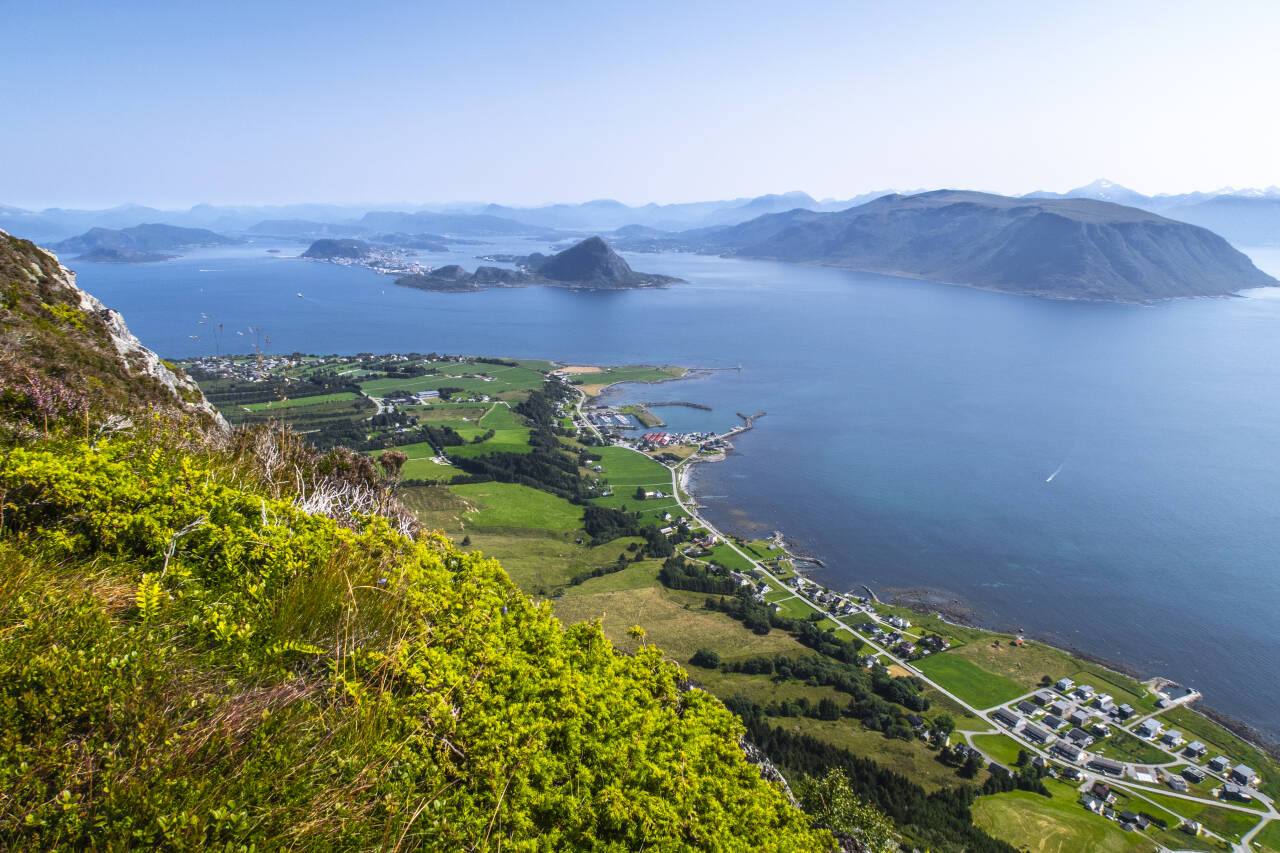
(982, 713)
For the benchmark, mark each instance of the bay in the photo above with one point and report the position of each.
(1105, 476)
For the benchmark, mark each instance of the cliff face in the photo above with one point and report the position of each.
(50, 329)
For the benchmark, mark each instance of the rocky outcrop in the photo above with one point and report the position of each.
(68, 335)
(590, 264)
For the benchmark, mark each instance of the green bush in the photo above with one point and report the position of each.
(189, 661)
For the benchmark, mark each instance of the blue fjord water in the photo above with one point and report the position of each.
(1106, 476)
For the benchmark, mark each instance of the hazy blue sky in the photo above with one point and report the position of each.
(171, 103)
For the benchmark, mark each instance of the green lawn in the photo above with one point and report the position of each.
(1001, 748)
(425, 469)
(469, 377)
(1056, 824)
(624, 467)
(972, 684)
(726, 556)
(295, 402)
(1268, 840)
(514, 505)
(500, 417)
(503, 441)
(1228, 823)
(794, 608)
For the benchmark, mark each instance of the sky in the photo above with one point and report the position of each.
(174, 103)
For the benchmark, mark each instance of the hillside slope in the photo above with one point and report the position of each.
(215, 640)
(79, 351)
(1058, 248)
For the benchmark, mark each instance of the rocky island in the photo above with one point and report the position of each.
(590, 264)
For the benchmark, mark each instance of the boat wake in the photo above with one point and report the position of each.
(1055, 473)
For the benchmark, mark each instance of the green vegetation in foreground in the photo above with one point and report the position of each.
(974, 685)
(539, 539)
(193, 666)
(1056, 824)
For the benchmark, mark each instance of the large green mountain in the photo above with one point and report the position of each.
(228, 640)
(1058, 248)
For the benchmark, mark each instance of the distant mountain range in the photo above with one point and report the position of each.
(1245, 217)
(589, 264)
(1249, 217)
(1058, 248)
(139, 244)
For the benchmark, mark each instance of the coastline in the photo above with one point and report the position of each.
(963, 616)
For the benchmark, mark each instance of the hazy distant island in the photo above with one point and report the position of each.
(338, 249)
(140, 244)
(1056, 248)
(589, 264)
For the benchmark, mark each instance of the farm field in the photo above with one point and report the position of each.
(967, 680)
(514, 505)
(1054, 824)
(296, 402)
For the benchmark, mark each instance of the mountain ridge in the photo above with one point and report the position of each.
(1054, 248)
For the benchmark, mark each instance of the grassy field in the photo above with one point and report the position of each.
(514, 505)
(912, 758)
(1226, 822)
(676, 622)
(468, 377)
(503, 441)
(1028, 664)
(794, 608)
(1268, 840)
(424, 469)
(295, 402)
(726, 556)
(448, 414)
(1001, 748)
(968, 681)
(624, 467)
(597, 380)
(1056, 824)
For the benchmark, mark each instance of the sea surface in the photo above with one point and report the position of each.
(1105, 476)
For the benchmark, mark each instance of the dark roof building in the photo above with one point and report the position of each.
(1010, 719)
(1038, 734)
(1067, 750)
(1244, 774)
(1106, 765)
